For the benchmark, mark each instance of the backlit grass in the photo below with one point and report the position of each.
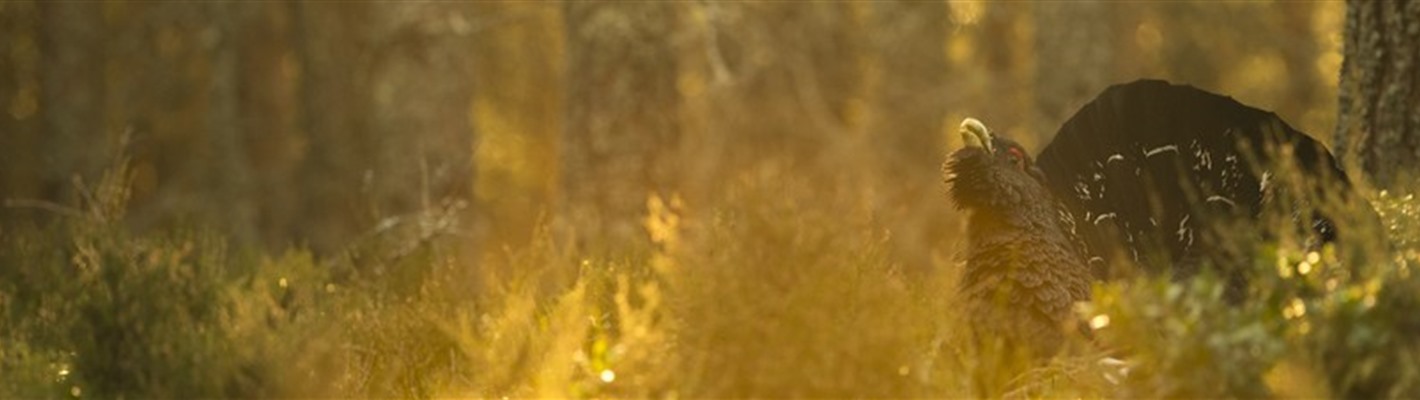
(777, 289)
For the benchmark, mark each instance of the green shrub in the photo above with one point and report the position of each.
(92, 310)
(775, 289)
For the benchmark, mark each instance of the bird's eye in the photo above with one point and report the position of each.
(1015, 156)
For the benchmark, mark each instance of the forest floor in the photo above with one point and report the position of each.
(778, 292)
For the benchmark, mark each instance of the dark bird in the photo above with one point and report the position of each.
(1171, 178)
(1025, 267)
(1148, 176)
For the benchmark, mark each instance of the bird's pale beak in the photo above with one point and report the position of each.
(975, 134)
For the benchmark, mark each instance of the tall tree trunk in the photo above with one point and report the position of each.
(72, 94)
(1299, 51)
(386, 92)
(520, 48)
(1003, 44)
(1074, 60)
(334, 42)
(622, 104)
(910, 71)
(226, 173)
(268, 71)
(906, 84)
(1378, 128)
(422, 77)
(167, 76)
(21, 172)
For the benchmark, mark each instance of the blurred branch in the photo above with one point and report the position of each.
(45, 206)
(712, 44)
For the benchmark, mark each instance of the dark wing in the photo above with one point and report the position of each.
(1147, 164)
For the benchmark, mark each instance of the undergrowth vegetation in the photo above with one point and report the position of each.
(778, 290)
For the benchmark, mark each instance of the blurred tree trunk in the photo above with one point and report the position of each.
(1379, 126)
(622, 118)
(1190, 52)
(226, 174)
(1300, 51)
(385, 100)
(1074, 57)
(160, 73)
(72, 94)
(21, 169)
(419, 71)
(1004, 44)
(168, 75)
(269, 76)
(910, 72)
(906, 80)
(334, 40)
(422, 72)
(516, 116)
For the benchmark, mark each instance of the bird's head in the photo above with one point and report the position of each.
(992, 171)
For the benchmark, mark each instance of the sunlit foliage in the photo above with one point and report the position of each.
(369, 199)
(777, 291)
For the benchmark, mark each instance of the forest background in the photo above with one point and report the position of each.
(509, 198)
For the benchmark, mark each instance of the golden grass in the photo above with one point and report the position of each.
(776, 290)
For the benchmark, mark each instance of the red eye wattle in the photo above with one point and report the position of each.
(1017, 157)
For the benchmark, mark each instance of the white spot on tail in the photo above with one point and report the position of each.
(1082, 190)
(1221, 199)
(1161, 149)
(1184, 234)
(1103, 217)
(1205, 159)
